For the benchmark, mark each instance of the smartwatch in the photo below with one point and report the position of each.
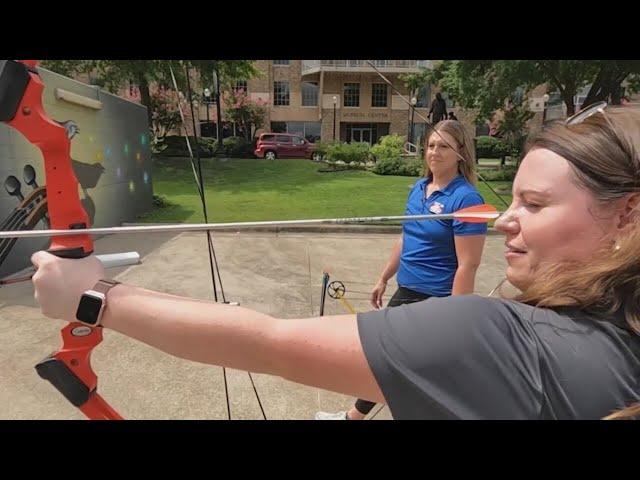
(93, 302)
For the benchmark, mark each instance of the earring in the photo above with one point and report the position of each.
(616, 248)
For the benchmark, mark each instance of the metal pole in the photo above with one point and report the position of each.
(334, 121)
(413, 111)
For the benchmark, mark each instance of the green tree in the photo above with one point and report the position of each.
(113, 75)
(165, 116)
(512, 129)
(227, 71)
(244, 112)
(489, 85)
(67, 68)
(414, 81)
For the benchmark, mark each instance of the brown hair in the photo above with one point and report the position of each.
(628, 413)
(603, 154)
(464, 147)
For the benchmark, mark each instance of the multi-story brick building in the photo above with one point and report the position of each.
(336, 99)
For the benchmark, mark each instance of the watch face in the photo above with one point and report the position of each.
(89, 309)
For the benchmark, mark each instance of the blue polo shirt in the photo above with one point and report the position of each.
(428, 262)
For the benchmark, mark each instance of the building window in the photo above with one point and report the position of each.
(133, 89)
(517, 96)
(365, 132)
(450, 103)
(556, 107)
(310, 94)
(379, 95)
(279, 127)
(281, 62)
(240, 86)
(581, 96)
(281, 93)
(207, 129)
(295, 128)
(423, 97)
(482, 130)
(308, 130)
(351, 94)
(420, 130)
(312, 131)
(555, 98)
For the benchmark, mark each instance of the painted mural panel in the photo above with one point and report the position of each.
(110, 154)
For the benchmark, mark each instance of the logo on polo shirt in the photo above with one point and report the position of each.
(436, 207)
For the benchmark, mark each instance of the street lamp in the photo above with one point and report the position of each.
(414, 101)
(335, 103)
(216, 89)
(545, 99)
(207, 100)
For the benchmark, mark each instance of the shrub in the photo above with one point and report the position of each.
(176, 146)
(391, 159)
(409, 166)
(161, 202)
(491, 147)
(506, 174)
(237, 147)
(389, 147)
(322, 148)
(347, 152)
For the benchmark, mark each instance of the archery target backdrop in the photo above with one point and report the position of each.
(110, 154)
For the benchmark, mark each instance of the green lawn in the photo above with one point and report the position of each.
(253, 190)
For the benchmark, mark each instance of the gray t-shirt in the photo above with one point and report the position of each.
(471, 357)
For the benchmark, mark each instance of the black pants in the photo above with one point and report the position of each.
(402, 296)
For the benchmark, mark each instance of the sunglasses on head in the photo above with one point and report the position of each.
(585, 113)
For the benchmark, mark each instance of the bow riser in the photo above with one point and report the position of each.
(62, 185)
(69, 369)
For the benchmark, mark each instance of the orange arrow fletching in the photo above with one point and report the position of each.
(477, 214)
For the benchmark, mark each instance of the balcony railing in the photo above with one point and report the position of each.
(312, 66)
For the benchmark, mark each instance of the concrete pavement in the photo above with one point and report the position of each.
(276, 273)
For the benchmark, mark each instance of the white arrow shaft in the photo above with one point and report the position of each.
(112, 260)
(197, 227)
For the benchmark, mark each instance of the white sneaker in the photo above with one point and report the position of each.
(331, 416)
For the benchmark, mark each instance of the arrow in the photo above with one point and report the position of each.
(476, 214)
(109, 260)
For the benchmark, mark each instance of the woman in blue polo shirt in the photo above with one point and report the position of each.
(437, 258)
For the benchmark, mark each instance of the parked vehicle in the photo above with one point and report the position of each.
(283, 145)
